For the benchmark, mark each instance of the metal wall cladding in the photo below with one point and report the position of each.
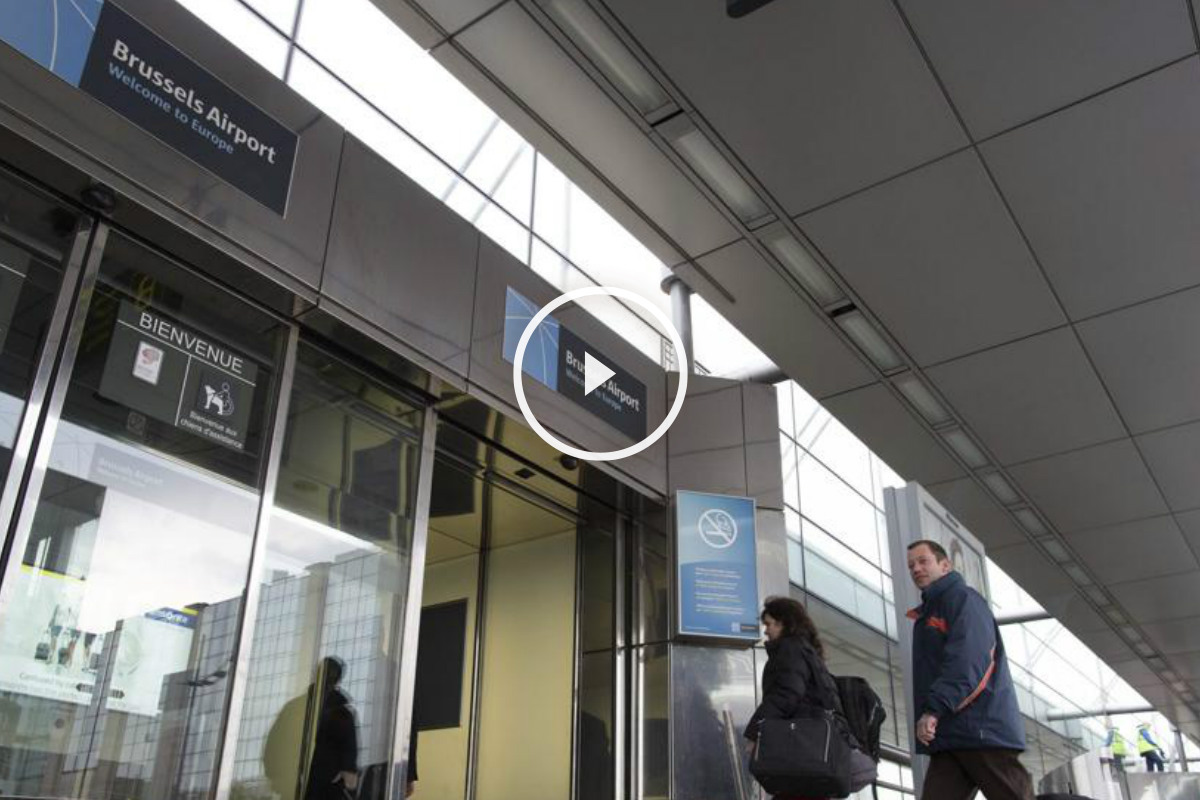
(492, 374)
(401, 260)
(111, 149)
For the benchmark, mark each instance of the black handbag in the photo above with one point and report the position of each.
(807, 756)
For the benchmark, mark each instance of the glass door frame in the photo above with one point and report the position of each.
(35, 438)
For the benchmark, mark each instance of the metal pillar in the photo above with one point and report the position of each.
(681, 315)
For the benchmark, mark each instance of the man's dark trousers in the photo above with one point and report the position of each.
(957, 774)
(1154, 762)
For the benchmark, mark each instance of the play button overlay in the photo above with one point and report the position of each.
(594, 373)
(586, 377)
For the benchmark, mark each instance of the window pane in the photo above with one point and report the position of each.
(280, 13)
(32, 253)
(246, 31)
(847, 457)
(326, 653)
(119, 611)
(720, 347)
(783, 398)
(331, 96)
(837, 508)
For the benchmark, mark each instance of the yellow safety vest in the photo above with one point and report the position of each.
(1119, 747)
(1143, 742)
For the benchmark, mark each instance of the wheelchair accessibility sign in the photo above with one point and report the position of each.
(175, 374)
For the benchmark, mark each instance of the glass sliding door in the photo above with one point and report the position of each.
(37, 237)
(322, 686)
(121, 595)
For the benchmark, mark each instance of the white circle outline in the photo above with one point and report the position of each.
(714, 512)
(518, 373)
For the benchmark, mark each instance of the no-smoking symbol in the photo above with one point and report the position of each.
(717, 528)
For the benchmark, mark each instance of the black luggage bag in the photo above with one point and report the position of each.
(807, 756)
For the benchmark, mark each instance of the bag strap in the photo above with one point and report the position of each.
(819, 672)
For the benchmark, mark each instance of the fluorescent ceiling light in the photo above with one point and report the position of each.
(917, 393)
(870, 341)
(1077, 574)
(1030, 521)
(1096, 594)
(1169, 675)
(966, 448)
(1055, 548)
(713, 168)
(1116, 615)
(1179, 686)
(610, 55)
(1000, 487)
(798, 261)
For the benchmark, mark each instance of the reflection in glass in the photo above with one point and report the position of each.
(652, 763)
(35, 238)
(594, 771)
(333, 587)
(713, 696)
(118, 616)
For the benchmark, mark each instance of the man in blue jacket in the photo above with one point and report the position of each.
(968, 720)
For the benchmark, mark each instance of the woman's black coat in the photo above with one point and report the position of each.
(789, 682)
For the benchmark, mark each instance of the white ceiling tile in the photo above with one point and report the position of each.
(1043, 579)
(1005, 63)
(1174, 459)
(875, 415)
(1031, 398)
(1159, 599)
(1091, 488)
(1106, 190)
(937, 258)
(1145, 548)
(1108, 645)
(1147, 357)
(779, 322)
(518, 54)
(1133, 669)
(974, 508)
(1175, 636)
(1186, 664)
(452, 15)
(818, 99)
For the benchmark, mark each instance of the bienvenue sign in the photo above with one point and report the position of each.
(112, 57)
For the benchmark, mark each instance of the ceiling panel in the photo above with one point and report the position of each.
(1189, 523)
(1079, 617)
(1175, 636)
(874, 414)
(520, 55)
(1160, 550)
(1159, 599)
(1186, 664)
(411, 21)
(1108, 645)
(1005, 63)
(1036, 574)
(819, 99)
(1106, 190)
(1174, 459)
(938, 259)
(1091, 488)
(775, 318)
(975, 508)
(1134, 670)
(452, 15)
(1147, 357)
(1031, 398)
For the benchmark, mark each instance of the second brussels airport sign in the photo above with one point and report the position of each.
(123, 64)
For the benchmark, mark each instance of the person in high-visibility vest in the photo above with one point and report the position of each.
(1149, 749)
(1119, 748)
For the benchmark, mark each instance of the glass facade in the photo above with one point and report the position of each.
(838, 559)
(352, 62)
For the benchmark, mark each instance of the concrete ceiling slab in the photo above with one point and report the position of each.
(1109, 184)
(943, 228)
(1031, 398)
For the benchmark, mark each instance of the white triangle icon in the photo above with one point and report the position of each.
(594, 373)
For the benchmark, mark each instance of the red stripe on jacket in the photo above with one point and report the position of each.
(987, 676)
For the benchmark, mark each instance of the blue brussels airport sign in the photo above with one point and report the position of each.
(717, 567)
(101, 50)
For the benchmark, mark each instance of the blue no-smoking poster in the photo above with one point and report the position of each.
(717, 571)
